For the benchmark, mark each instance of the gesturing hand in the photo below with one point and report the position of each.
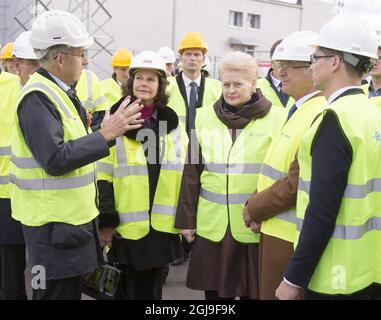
(124, 119)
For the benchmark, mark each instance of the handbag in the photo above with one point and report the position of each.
(103, 282)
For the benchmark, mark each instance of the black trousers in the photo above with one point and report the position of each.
(373, 292)
(60, 289)
(140, 285)
(12, 272)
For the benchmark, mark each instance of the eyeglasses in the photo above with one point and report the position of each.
(374, 61)
(314, 57)
(83, 54)
(287, 67)
(235, 85)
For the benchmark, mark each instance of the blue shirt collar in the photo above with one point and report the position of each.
(60, 83)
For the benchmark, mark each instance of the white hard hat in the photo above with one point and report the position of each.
(148, 60)
(207, 65)
(23, 48)
(167, 54)
(347, 33)
(58, 27)
(296, 47)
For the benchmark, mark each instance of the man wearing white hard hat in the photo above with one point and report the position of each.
(373, 88)
(12, 244)
(338, 238)
(53, 154)
(274, 204)
(26, 62)
(169, 58)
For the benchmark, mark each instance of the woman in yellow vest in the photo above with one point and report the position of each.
(232, 140)
(139, 184)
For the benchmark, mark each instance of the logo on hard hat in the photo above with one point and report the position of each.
(147, 61)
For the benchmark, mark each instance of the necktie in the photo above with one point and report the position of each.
(72, 93)
(192, 105)
(283, 96)
(291, 112)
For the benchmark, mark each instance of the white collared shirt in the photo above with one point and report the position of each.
(305, 98)
(187, 82)
(277, 83)
(339, 92)
(60, 83)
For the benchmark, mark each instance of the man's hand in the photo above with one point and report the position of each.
(188, 234)
(246, 217)
(124, 119)
(106, 235)
(288, 292)
(255, 227)
(88, 119)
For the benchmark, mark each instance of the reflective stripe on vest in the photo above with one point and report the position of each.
(4, 179)
(352, 191)
(235, 168)
(134, 216)
(53, 184)
(223, 199)
(351, 232)
(45, 88)
(272, 173)
(164, 210)
(5, 151)
(105, 167)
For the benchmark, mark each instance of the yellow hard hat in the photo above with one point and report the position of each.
(193, 39)
(121, 58)
(7, 51)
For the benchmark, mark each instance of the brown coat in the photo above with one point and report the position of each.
(279, 197)
(274, 253)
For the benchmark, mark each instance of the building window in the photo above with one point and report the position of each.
(254, 21)
(236, 18)
(250, 50)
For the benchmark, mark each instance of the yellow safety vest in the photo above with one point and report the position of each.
(126, 169)
(270, 94)
(375, 100)
(281, 153)
(9, 92)
(112, 91)
(351, 260)
(90, 93)
(212, 93)
(230, 172)
(37, 197)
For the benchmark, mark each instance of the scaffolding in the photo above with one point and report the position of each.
(18, 16)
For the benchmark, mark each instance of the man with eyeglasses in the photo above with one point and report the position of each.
(338, 239)
(373, 88)
(52, 163)
(271, 85)
(274, 205)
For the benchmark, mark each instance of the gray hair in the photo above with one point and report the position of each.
(46, 56)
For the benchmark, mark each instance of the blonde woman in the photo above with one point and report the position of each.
(232, 138)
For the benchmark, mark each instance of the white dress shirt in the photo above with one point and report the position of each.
(187, 82)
